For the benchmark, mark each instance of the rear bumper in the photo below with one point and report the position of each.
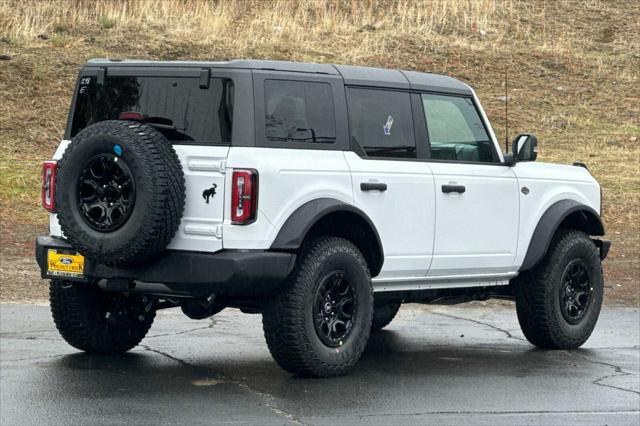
(232, 273)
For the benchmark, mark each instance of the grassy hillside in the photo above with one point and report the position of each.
(573, 80)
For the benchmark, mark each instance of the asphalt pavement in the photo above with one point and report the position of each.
(432, 365)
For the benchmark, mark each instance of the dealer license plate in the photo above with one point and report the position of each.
(63, 263)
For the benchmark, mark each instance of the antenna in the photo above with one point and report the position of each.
(506, 111)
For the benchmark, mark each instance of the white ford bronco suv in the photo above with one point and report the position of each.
(320, 196)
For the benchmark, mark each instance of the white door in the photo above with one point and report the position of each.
(476, 197)
(398, 196)
(393, 188)
(476, 230)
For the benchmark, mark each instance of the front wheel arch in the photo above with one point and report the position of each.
(564, 214)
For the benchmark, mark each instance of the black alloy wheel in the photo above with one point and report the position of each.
(106, 192)
(317, 323)
(334, 307)
(575, 291)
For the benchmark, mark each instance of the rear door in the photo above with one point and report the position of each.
(390, 184)
(476, 196)
(191, 107)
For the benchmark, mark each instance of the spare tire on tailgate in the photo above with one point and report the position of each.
(120, 192)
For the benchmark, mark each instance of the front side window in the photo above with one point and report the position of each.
(299, 111)
(178, 107)
(455, 129)
(381, 122)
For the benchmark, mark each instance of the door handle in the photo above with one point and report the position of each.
(453, 188)
(373, 186)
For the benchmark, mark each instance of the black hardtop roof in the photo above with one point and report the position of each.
(352, 75)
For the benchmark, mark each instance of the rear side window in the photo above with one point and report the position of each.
(299, 111)
(455, 129)
(177, 107)
(381, 122)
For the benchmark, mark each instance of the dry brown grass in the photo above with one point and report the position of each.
(262, 21)
(574, 76)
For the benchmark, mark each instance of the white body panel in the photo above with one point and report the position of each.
(288, 178)
(476, 231)
(549, 183)
(430, 239)
(403, 214)
(54, 226)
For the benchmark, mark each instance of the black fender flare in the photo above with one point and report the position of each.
(550, 222)
(297, 226)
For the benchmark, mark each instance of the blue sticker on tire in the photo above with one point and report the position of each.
(117, 149)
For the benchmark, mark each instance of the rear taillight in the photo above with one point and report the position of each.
(244, 196)
(49, 170)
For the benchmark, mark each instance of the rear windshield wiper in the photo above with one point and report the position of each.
(157, 122)
(162, 124)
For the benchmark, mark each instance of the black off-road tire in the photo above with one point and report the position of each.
(538, 300)
(159, 193)
(383, 315)
(288, 316)
(98, 322)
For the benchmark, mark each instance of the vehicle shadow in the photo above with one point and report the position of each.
(392, 361)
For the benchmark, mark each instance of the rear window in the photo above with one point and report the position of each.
(178, 107)
(299, 111)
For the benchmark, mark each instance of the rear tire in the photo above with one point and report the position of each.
(98, 322)
(383, 315)
(319, 321)
(558, 302)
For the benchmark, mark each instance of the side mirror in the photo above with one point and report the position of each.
(525, 147)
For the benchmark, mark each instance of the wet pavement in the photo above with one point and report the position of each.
(435, 365)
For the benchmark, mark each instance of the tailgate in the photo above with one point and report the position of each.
(204, 172)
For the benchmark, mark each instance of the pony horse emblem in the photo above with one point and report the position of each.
(209, 193)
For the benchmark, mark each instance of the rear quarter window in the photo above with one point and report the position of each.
(177, 107)
(299, 111)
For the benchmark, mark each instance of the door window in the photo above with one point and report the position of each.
(299, 111)
(381, 122)
(455, 129)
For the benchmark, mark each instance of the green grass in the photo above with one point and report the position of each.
(107, 22)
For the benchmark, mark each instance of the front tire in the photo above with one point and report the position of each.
(319, 321)
(559, 301)
(98, 322)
